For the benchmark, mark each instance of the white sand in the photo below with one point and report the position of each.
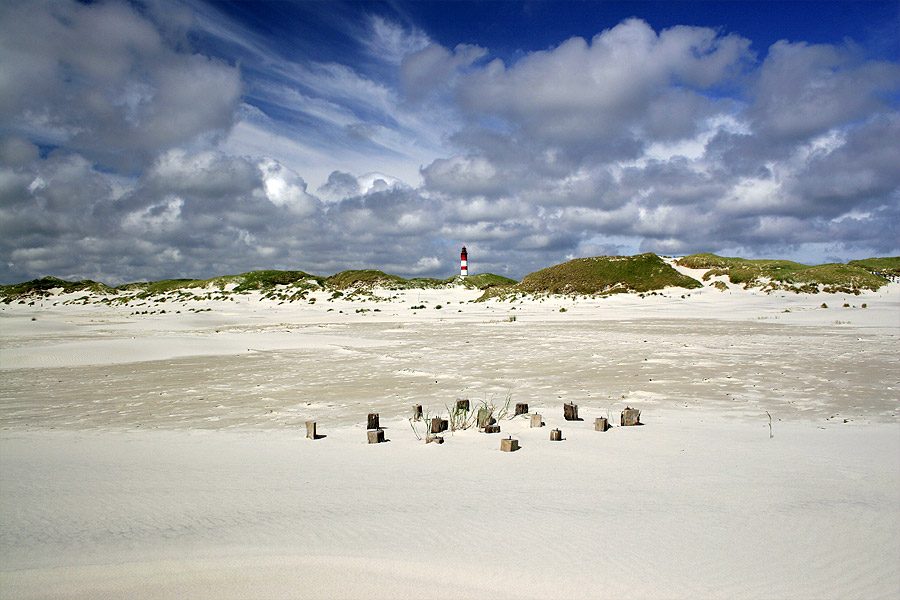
(163, 455)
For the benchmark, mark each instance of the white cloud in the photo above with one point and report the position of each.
(100, 79)
(391, 42)
(580, 90)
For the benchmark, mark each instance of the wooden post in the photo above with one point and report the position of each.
(417, 412)
(630, 416)
(311, 430)
(376, 436)
(492, 429)
(438, 425)
(521, 408)
(509, 445)
(556, 435)
(570, 411)
(485, 418)
(536, 421)
(462, 406)
(373, 421)
(601, 424)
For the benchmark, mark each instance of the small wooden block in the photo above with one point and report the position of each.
(373, 421)
(311, 430)
(631, 416)
(438, 425)
(485, 418)
(376, 436)
(434, 439)
(521, 408)
(462, 406)
(509, 445)
(555, 435)
(417, 412)
(536, 421)
(601, 424)
(570, 411)
(492, 429)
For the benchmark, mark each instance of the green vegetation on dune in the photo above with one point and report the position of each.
(146, 289)
(481, 281)
(770, 275)
(371, 278)
(265, 280)
(366, 278)
(584, 276)
(607, 275)
(424, 283)
(888, 265)
(43, 286)
(252, 280)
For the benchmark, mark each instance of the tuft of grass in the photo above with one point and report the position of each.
(461, 419)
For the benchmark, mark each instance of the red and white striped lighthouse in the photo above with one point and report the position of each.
(463, 263)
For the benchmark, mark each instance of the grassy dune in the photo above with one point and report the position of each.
(607, 275)
(770, 275)
(889, 265)
(589, 276)
(46, 285)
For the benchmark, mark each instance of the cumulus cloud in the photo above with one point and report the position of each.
(435, 69)
(580, 90)
(805, 90)
(100, 80)
(677, 141)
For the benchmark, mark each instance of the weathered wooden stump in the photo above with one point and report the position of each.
(485, 418)
(435, 439)
(492, 429)
(630, 416)
(462, 406)
(417, 412)
(536, 421)
(509, 445)
(438, 425)
(556, 435)
(521, 408)
(373, 421)
(601, 424)
(376, 436)
(311, 430)
(570, 411)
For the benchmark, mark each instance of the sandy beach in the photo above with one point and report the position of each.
(164, 454)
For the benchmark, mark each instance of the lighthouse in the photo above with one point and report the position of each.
(463, 263)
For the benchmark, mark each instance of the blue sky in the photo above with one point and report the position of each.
(185, 138)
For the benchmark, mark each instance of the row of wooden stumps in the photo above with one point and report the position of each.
(488, 424)
(630, 417)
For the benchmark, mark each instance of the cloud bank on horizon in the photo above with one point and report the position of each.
(170, 138)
